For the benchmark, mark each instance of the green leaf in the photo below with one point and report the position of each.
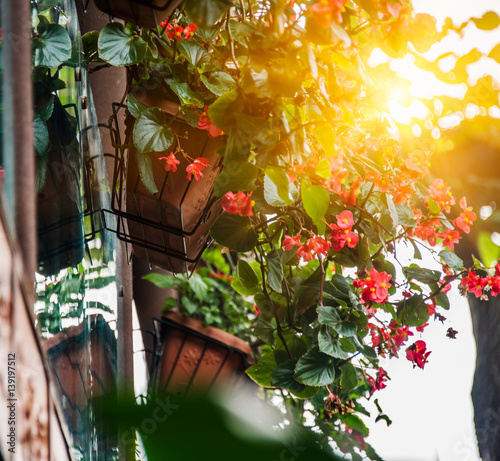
(488, 21)
(135, 107)
(205, 12)
(236, 176)
(349, 378)
(262, 370)
(329, 345)
(194, 53)
(304, 298)
(160, 280)
(315, 369)
(413, 311)
(222, 110)
(190, 306)
(347, 345)
(247, 275)
(279, 179)
(422, 275)
(328, 316)
(442, 300)
(120, 47)
(282, 377)
(186, 95)
(40, 135)
(315, 199)
(90, 45)
(274, 270)
(451, 259)
(489, 252)
(219, 82)
(433, 206)
(392, 210)
(235, 232)
(151, 133)
(405, 215)
(146, 171)
(46, 112)
(42, 164)
(52, 47)
(354, 422)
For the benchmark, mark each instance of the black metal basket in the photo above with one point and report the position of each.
(170, 229)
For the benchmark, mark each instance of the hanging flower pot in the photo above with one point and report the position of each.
(167, 222)
(193, 358)
(144, 13)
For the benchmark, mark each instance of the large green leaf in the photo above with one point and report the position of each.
(135, 107)
(281, 182)
(151, 133)
(40, 135)
(354, 422)
(119, 46)
(262, 370)
(186, 95)
(274, 270)
(315, 199)
(194, 53)
(247, 275)
(282, 377)
(315, 369)
(413, 311)
(489, 252)
(328, 316)
(329, 345)
(52, 47)
(146, 171)
(235, 232)
(304, 298)
(206, 12)
(236, 176)
(421, 274)
(451, 259)
(219, 82)
(349, 378)
(160, 280)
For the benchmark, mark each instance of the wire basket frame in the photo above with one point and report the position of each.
(189, 361)
(171, 228)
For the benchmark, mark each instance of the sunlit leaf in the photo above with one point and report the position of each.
(119, 46)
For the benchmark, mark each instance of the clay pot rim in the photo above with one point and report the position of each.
(212, 332)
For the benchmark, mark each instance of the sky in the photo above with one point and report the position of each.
(431, 409)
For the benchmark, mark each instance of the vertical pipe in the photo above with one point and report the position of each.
(125, 352)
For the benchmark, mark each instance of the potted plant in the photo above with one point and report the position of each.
(168, 212)
(196, 343)
(317, 196)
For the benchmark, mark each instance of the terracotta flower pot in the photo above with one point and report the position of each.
(144, 13)
(171, 228)
(193, 358)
